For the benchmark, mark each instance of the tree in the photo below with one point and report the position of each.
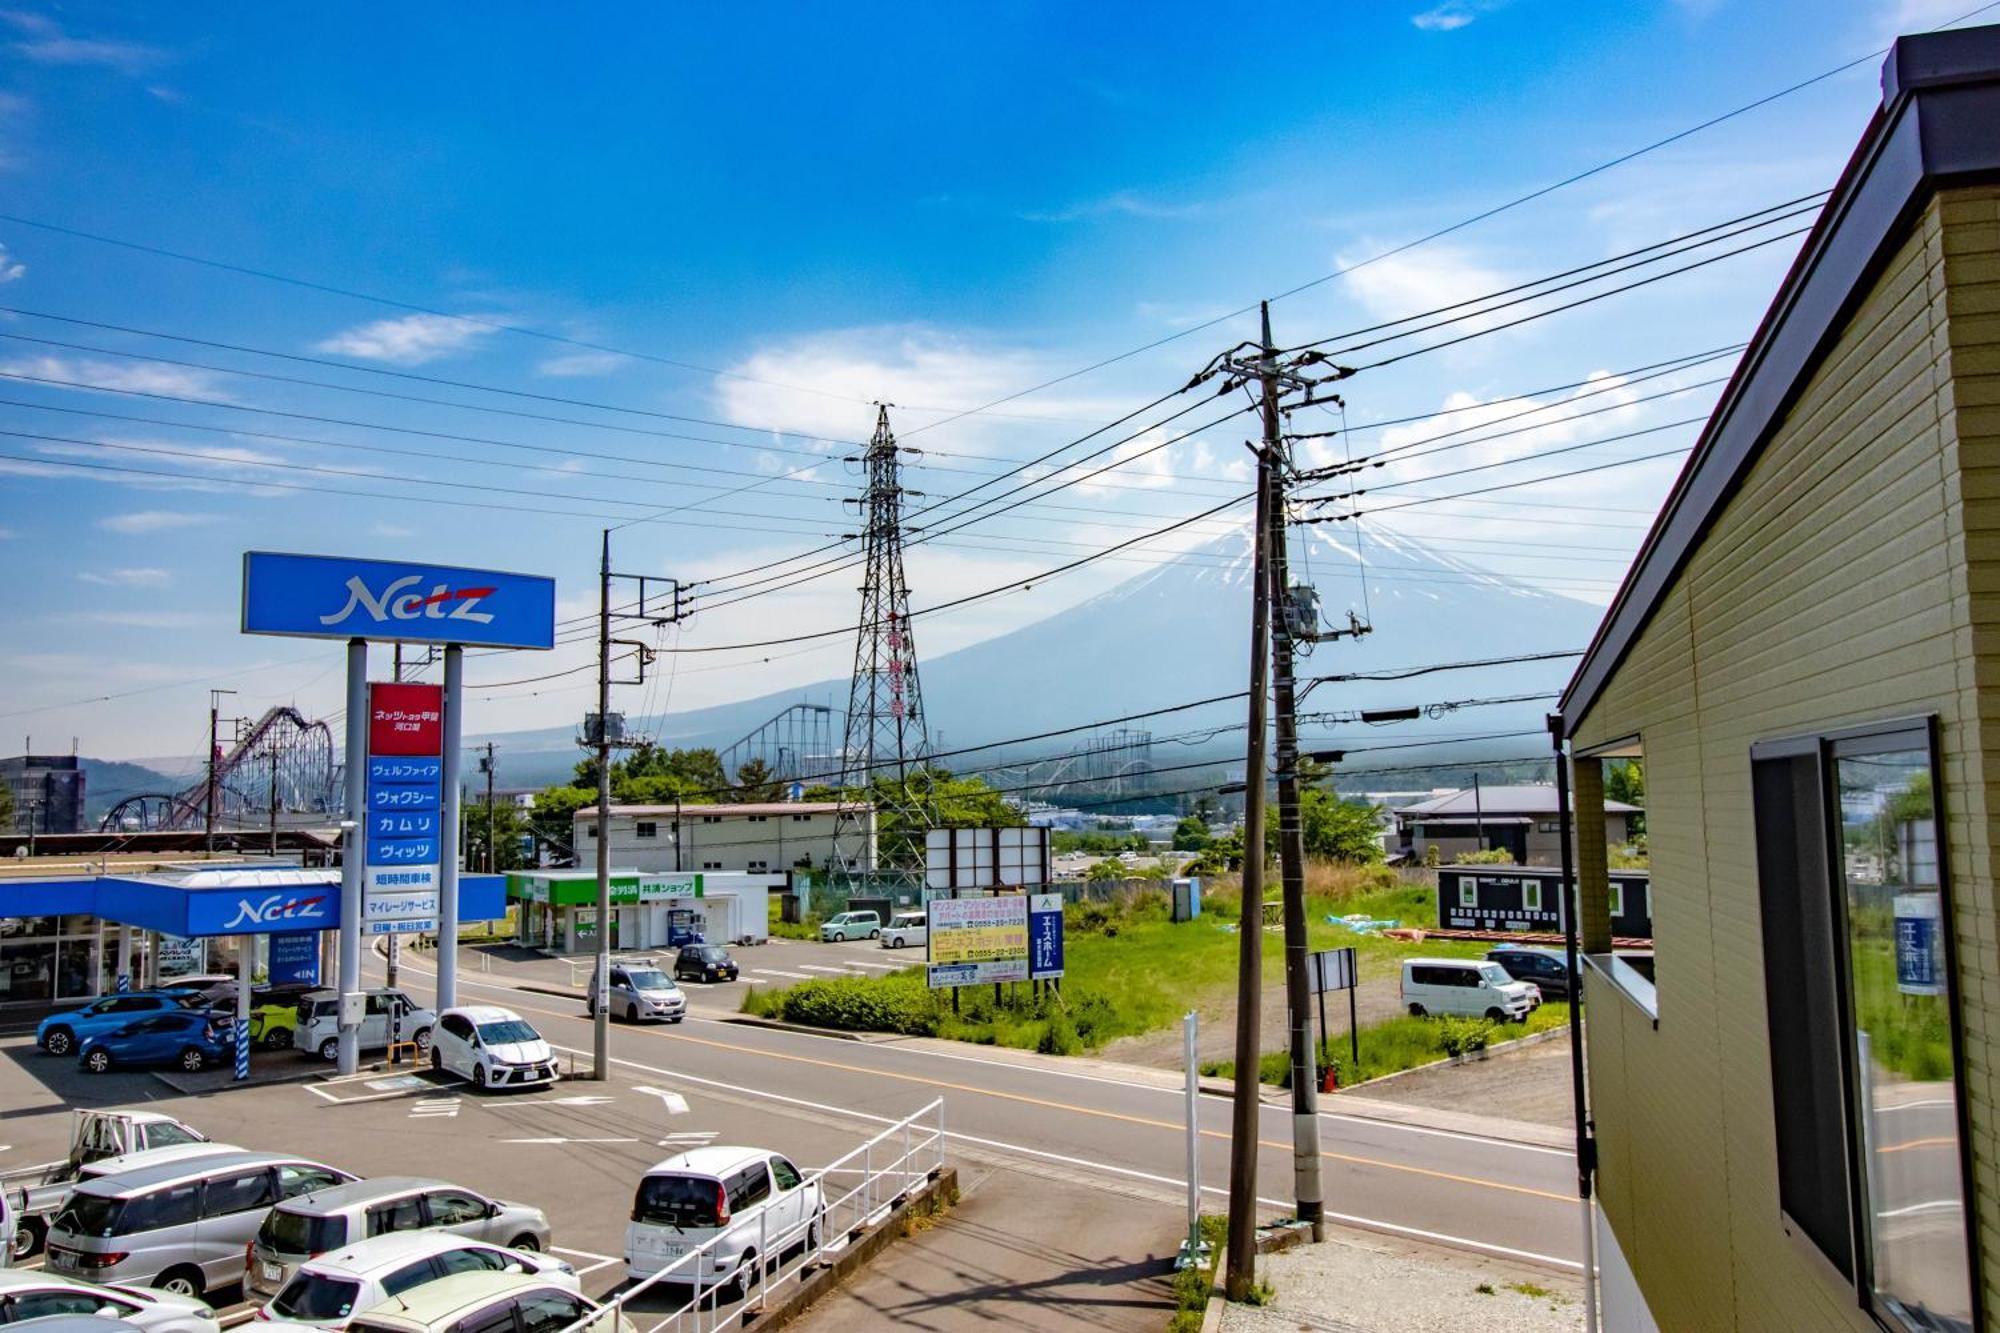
(1191, 834)
(1334, 829)
(1109, 868)
(507, 825)
(1626, 781)
(755, 782)
(553, 819)
(6, 805)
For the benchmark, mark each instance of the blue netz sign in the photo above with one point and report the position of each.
(332, 597)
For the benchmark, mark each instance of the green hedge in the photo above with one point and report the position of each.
(861, 1004)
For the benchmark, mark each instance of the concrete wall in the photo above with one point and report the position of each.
(1854, 577)
(756, 844)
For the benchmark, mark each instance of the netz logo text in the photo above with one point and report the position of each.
(277, 907)
(401, 601)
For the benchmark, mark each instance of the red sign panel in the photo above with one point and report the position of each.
(405, 718)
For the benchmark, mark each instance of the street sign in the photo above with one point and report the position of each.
(333, 597)
(1332, 969)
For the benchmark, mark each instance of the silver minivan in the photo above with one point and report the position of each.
(315, 1224)
(181, 1226)
(640, 991)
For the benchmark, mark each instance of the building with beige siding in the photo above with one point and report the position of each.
(758, 838)
(1795, 1122)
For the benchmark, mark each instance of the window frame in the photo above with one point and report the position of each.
(1823, 748)
(1531, 893)
(1468, 892)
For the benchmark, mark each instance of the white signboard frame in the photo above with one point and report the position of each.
(986, 858)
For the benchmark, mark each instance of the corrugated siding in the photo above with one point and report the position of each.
(1854, 577)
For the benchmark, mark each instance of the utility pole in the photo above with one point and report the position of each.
(1291, 835)
(492, 849)
(208, 813)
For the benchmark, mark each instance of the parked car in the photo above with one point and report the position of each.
(1468, 987)
(189, 1039)
(25, 1295)
(211, 989)
(328, 1291)
(334, 1218)
(488, 1303)
(274, 1013)
(94, 1135)
(60, 1033)
(906, 929)
(734, 1194)
(639, 991)
(704, 962)
(73, 1323)
(388, 1015)
(182, 1226)
(494, 1047)
(850, 926)
(1546, 968)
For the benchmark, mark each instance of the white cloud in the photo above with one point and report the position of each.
(144, 619)
(10, 267)
(1417, 280)
(1119, 203)
(45, 42)
(577, 364)
(1454, 14)
(140, 377)
(128, 578)
(409, 341)
(144, 521)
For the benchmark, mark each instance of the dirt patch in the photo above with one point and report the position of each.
(1532, 1083)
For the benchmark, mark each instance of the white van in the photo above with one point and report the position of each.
(1469, 987)
(388, 1015)
(737, 1197)
(907, 929)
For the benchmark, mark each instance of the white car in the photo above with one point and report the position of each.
(907, 929)
(328, 1291)
(739, 1198)
(28, 1294)
(494, 1047)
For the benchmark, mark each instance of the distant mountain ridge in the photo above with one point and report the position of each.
(1180, 631)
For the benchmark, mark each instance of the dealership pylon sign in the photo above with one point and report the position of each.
(399, 859)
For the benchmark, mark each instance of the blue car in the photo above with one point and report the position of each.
(188, 1038)
(60, 1033)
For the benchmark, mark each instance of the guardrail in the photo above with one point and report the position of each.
(884, 1170)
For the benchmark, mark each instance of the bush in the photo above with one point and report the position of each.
(1492, 856)
(1461, 1036)
(862, 1004)
(1059, 1037)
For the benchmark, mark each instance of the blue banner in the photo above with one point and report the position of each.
(403, 824)
(1045, 936)
(402, 851)
(331, 597)
(389, 770)
(295, 957)
(403, 798)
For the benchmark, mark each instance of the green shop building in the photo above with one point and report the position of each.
(649, 909)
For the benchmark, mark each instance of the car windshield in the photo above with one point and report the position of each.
(709, 955)
(91, 1215)
(650, 979)
(287, 1232)
(1494, 974)
(676, 1201)
(313, 1297)
(507, 1032)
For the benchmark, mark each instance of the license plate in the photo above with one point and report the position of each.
(61, 1259)
(272, 1272)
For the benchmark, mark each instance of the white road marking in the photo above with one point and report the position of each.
(435, 1108)
(1175, 1092)
(886, 967)
(558, 1140)
(815, 967)
(602, 1260)
(1932, 1206)
(1181, 1184)
(776, 972)
(577, 1101)
(675, 1103)
(690, 1138)
(1916, 1105)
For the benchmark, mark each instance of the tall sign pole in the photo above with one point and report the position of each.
(600, 1034)
(448, 841)
(353, 852)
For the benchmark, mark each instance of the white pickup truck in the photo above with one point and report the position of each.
(35, 1193)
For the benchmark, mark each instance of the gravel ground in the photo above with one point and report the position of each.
(1530, 1084)
(1359, 1283)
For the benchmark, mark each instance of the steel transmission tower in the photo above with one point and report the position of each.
(885, 701)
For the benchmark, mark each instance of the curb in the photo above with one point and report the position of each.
(780, 1025)
(1501, 1048)
(940, 1193)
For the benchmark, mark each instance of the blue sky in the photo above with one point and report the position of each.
(808, 208)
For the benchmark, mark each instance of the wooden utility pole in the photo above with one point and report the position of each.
(600, 1040)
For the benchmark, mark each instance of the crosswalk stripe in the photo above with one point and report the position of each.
(886, 967)
(776, 972)
(815, 967)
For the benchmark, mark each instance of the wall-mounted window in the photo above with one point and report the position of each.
(1615, 902)
(646, 828)
(1468, 892)
(758, 865)
(711, 865)
(1531, 895)
(593, 830)
(711, 819)
(759, 819)
(1867, 1077)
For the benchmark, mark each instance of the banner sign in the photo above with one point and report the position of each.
(1045, 936)
(330, 597)
(1918, 945)
(977, 940)
(399, 883)
(294, 958)
(1331, 969)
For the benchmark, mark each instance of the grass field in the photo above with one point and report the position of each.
(1130, 970)
(1403, 1043)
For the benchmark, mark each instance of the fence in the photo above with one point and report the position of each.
(752, 1261)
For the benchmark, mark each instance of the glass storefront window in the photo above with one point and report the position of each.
(1913, 1227)
(27, 971)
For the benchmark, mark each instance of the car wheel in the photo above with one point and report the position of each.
(631, 1013)
(192, 1059)
(590, 1008)
(60, 1041)
(1496, 1015)
(746, 1273)
(329, 1050)
(437, 1059)
(423, 1041)
(479, 1076)
(526, 1243)
(182, 1281)
(1416, 1011)
(29, 1234)
(874, 934)
(814, 1229)
(277, 1039)
(98, 1061)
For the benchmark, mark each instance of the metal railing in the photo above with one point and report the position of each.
(884, 1171)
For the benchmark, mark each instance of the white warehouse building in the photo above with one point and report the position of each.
(752, 838)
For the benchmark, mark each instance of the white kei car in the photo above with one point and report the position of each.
(30, 1294)
(328, 1291)
(494, 1047)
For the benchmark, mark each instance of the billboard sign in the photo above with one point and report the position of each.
(1919, 960)
(986, 858)
(399, 880)
(1045, 936)
(333, 597)
(976, 940)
